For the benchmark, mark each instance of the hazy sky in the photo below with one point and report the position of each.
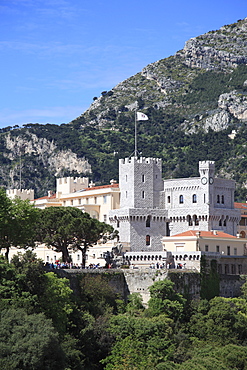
(56, 55)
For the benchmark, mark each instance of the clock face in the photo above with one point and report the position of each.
(204, 180)
(211, 180)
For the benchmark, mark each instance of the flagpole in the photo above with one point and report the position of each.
(135, 153)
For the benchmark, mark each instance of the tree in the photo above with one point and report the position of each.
(56, 301)
(141, 343)
(68, 227)
(5, 220)
(17, 223)
(89, 231)
(28, 342)
(164, 299)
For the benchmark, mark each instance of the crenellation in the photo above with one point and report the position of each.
(23, 194)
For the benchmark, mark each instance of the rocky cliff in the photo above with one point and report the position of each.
(197, 109)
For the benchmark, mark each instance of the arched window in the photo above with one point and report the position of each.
(181, 199)
(222, 199)
(168, 199)
(147, 239)
(143, 178)
(220, 223)
(194, 200)
(148, 221)
(143, 194)
(218, 199)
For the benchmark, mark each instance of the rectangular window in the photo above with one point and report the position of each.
(104, 199)
(206, 248)
(217, 248)
(78, 257)
(71, 202)
(242, 223)
(95, 200)
(235, 251)
(79, 201)
(228, 250)
(105, 218)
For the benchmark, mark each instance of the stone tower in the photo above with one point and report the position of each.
(140, 220)
(140, 182)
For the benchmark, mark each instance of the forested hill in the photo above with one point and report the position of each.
(196, 102)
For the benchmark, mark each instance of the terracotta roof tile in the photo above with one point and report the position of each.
(240, 205)
(53, 196)
(205, 234)
(102, 187)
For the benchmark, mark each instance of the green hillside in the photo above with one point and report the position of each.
(193, 99)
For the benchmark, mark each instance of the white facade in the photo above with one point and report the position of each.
(23, 194)
(203, 203)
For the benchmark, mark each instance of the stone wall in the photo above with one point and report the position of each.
(125, 282)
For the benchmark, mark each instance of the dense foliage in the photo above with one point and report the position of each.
(44, 325)
(62, 228)
(68, 227)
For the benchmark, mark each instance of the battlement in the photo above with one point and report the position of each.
(66, 185)
(140, 160)
(206, 164)
(23, 194)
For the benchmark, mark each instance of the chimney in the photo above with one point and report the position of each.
(112, 182)
(91, 184)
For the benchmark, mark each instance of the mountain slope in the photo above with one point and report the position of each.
(194, 101)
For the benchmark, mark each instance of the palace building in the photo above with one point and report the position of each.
(153, 215)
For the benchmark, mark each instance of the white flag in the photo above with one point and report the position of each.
(141, 116)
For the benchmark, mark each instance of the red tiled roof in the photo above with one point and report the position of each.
(240, 205)
(53, 196)
(214, 234)
(102, 187)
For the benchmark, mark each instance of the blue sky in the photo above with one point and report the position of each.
(56, 55)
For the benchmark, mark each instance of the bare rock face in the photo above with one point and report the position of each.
(218, 50)
(235, 103)
(66, 159)
(45, 150)
(217, 122)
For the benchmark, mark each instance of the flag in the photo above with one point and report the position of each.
(141, 116)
